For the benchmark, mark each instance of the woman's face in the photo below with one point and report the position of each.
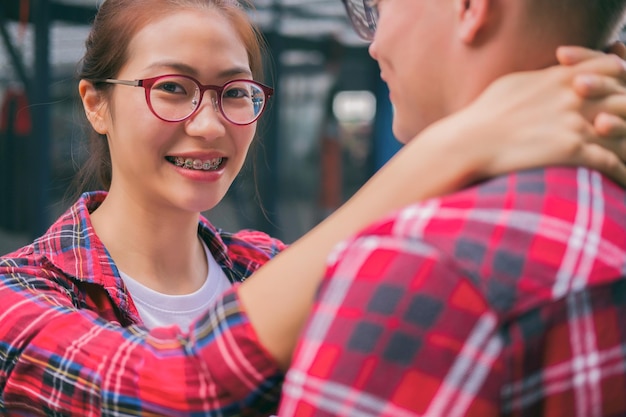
(202, 44)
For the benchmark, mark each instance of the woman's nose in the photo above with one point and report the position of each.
(207, 121)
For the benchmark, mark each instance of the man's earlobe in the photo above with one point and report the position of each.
(94, 105)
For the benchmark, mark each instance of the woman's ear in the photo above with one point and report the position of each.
(472, 17)
(95, 106)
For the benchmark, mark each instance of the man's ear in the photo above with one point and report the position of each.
(95, 106)
(472, 17)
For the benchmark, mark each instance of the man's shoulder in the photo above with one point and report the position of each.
(530, 189)
(511, 200)
(497, 231)
(527, 202)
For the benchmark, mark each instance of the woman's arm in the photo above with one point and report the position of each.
(503, 130)
(60, 359)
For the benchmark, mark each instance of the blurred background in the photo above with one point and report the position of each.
(326, 132)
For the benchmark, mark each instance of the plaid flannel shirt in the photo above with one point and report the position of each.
(507, 298)
(72, 343)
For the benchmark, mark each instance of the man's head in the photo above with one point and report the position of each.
(438, 55)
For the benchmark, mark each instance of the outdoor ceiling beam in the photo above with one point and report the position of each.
(60, 12)
(83, 15)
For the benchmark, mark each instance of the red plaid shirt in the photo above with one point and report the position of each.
(72, 344)
(507, 298)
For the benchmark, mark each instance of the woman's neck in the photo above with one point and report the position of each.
(157, 247)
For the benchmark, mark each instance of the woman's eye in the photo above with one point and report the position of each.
(236, 93)
(170, 87)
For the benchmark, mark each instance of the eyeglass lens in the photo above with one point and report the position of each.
(363, 15)
(175, 98)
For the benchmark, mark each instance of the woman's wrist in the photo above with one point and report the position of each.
(457, 148)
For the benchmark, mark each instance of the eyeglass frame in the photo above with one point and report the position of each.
(370, 10)
(147, 84)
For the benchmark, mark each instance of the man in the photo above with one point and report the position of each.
(507, 298)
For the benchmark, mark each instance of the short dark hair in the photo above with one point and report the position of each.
(589, 23)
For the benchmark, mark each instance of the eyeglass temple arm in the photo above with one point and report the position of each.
(269, 91)
(136, 83)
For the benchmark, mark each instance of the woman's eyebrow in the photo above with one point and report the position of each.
(188, 69)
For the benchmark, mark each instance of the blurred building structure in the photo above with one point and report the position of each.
(327, 131)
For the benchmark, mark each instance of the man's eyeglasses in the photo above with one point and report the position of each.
(363, 15)
(174, 98)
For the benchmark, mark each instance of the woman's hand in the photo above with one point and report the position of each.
(593, 85)
(571, 114)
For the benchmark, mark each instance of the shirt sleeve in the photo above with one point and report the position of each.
(396, 330)
(59, 359)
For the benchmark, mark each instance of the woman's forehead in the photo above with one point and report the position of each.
(198, 39)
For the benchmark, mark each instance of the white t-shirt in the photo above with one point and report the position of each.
(160, 310)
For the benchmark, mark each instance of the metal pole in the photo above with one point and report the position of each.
(385, 144)
(268, 175)
(40, 101)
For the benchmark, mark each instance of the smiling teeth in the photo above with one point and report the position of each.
(198, 164)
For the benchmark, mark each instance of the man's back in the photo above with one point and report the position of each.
(506, 298)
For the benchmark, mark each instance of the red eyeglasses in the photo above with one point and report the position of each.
(174, 98)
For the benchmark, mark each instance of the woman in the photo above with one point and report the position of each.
(117, 310)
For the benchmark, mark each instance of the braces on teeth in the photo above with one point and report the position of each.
(198, 164)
